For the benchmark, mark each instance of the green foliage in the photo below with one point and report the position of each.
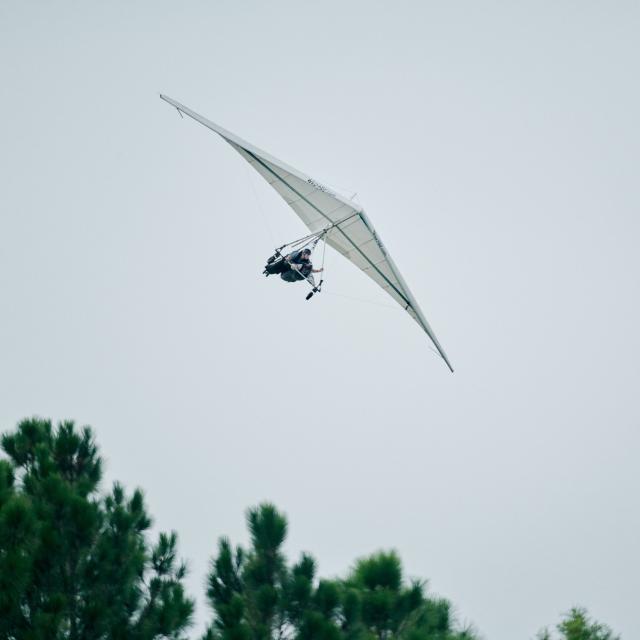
(387, 608)
(577, 625)
(255, 595)
(379, 571)
(74, 564)
(264, 570)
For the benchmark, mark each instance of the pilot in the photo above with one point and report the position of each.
(294, 267)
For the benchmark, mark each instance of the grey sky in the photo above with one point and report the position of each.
(496, 148)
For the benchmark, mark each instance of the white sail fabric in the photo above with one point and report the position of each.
(318, 207)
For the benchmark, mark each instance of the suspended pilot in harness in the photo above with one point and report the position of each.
(292, 267)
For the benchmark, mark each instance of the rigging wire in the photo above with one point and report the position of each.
(378, 304)
(263, 214)
(365, 301)
(324, 250)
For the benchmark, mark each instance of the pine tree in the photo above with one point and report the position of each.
(389, 608)
(74, 564)
(577, 625)
(255, 595)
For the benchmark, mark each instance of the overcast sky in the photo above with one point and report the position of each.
(494, 145)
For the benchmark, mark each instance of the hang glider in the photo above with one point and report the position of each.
(319, 207)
